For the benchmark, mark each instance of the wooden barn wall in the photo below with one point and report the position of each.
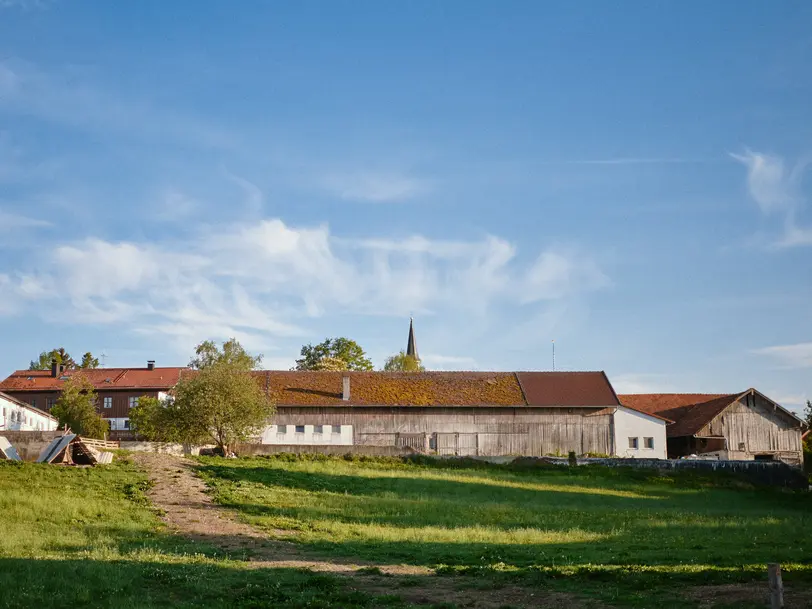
(477, 430)
(752, 426)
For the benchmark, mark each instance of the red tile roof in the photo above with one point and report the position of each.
(567, 389)
(102, 378)
(690, 411)
(298, 388)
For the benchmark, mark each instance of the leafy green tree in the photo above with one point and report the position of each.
(330, 364)
(88, 361)
(232, 352)
(44, 361)
(76, 408)
(808, 414)
(222, 402)
(341, 348)
(401, 362)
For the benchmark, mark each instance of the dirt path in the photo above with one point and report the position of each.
(188, 510)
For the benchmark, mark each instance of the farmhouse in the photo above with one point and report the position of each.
(738, 426)
(118, 388)
(16, 415)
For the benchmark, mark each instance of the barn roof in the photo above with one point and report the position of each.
(296, 388)
(690, 411)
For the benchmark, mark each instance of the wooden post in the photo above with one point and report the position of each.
(776, 586)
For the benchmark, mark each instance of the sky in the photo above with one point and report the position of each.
(634, 184)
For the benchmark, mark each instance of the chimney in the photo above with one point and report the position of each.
(345, 389)
(54, 368)
(151, 364)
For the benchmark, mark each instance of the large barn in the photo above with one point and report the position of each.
(461, 413)
(739, 426)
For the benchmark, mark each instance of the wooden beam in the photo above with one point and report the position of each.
(776, 586)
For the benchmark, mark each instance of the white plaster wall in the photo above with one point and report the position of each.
(272, 435)
(14, 417)
(118, 424)
(632, 424)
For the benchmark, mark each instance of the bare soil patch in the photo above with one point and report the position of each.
(733, 595)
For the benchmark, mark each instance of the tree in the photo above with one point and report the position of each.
(76, 408)
(222, 402)
(44, 361)
(338, 348)
(330, 364)
(403, 363)
(808, 414)
(207, 354)
(88, 361)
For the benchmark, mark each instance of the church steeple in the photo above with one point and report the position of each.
(411, 346)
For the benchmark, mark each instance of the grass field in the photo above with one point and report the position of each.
(624, 529)
(74, 537)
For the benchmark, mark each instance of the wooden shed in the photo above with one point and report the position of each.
(738, 426)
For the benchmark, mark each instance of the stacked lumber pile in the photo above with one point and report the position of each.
(71, 449)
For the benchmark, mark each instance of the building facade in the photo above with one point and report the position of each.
(16, 415)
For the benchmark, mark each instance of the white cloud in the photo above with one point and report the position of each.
(264, 279)
(374, 187)
(777, 190)
(798, 355)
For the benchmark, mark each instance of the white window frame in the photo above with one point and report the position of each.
(648, 443)
(634, 443)
(107, 401)
(133, 401)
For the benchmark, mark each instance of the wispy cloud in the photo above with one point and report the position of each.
(798, 355)
(635, 161)
(374, 187)
(10, 221)
(265, 279)
(70, 97)
(25, 4)
(777, 191)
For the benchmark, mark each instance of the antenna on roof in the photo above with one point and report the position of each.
(103, 357)
(553, 355)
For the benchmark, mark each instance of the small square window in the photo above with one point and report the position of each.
(648, 442)
(633, 443)
(133, 402)
(742, 446)
(49, 403)
(318, 429)
(283, 429)
(300, 429)
(126, 423)
(108, 402)
(337, 429)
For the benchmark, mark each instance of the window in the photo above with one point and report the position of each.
(283, 429)
(49, 403)
(127, 423)
(633, 443)
(300, 429)
(337, 429)
(648, 442)
(133, 402)
(742, 446)
(108, 402)
(34, 402)
(319, 429)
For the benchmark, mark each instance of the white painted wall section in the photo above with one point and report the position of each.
(15, 416)
(118, 424)
(337, 435)
(648, 431)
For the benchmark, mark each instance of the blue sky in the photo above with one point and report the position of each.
(633, 183)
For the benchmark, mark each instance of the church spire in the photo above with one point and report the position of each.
(411, 346)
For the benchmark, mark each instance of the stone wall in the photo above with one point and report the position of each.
(29, 444)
